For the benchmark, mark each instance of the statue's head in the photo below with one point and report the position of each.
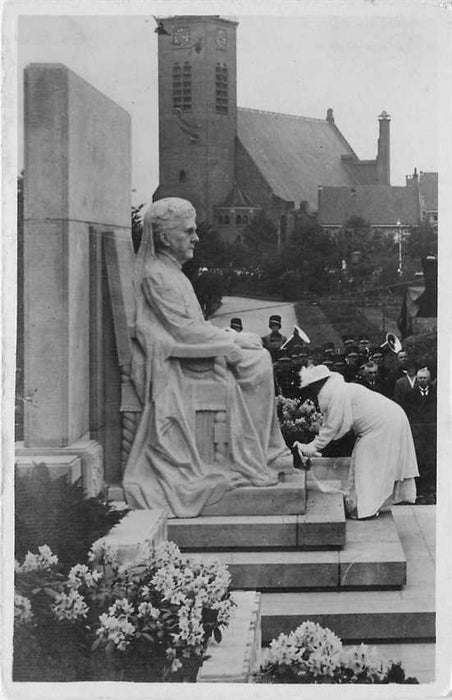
(173, 224)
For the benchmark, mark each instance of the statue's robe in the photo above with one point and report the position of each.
(165, 469)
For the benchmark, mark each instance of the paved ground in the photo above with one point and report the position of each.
(256, 312)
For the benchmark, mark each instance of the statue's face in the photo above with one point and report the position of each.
(181, 239)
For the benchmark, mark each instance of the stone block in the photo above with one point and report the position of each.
(237, 656)
(234, 532)
(88, 451)
(76, 189)
(135, 528)
(58, 465)
(262, 570)
(323, 524)
(285, 498)
(330, 469)
(373, 555)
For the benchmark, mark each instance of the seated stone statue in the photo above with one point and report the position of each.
(165, 469)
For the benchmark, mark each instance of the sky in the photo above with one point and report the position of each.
(358, 63)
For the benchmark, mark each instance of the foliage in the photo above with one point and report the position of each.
(298, 420)
(147, 621)
(260, 238)
(314, 654)
(422, 241)
(57, 513)
(424, 348)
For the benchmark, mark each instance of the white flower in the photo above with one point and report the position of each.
(69, 606)
(121, 607)
(117, 630)
(80, 574)
(364, 660)
(22, 609)
(38, 562)
(176, 665)
(148, 610)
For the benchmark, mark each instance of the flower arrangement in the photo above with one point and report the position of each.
(148, 621)
(299, 420)
(314, 654)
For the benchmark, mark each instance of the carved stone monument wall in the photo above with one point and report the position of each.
(76, 206)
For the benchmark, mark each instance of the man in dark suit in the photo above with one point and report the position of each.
(421, 410)
(405, 385)
(370, 378)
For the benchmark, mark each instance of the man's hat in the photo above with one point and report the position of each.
(275, 319)
(309, 375)
(364, 339)
(339, 358)
(347, 338)
(352, 350)
(328, 347)
(237, 323)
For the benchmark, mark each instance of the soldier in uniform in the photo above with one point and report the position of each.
(236, 324)
(273, 341)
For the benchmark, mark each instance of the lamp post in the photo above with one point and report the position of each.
(399, 241)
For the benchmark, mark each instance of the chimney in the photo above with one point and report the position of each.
(330, 115)
(383, 153)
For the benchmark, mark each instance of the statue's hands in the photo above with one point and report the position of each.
(248, 341)
(307, 450)
(234, 355)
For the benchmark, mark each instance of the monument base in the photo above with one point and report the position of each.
(84, 458)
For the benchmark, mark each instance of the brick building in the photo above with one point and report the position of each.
(232, 162)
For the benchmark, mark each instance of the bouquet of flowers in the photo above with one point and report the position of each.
(314, 654)
(298, 420)
(148, 621)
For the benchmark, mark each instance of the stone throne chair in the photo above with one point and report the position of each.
(205, 398)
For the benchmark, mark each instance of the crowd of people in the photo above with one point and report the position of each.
(386, 367)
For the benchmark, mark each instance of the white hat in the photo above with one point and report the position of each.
(309, 375)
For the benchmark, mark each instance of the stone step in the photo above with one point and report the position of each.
(406, 615)
(322, 526)
(287, 497)
(372, 558)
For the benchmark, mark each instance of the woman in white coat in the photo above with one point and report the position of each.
(383, 462)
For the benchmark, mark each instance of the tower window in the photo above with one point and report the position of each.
(226, 219)
(221, 88)
(182, 86)
(182, 175)
(238, 219)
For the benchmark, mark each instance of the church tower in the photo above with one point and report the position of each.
(197, 110)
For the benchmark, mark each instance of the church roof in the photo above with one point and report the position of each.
(295, 154)
(428, 189)
(379, 204)
(237, 198)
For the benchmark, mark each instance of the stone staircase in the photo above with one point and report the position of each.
(309, 562)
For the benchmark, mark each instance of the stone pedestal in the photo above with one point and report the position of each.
(85, 452)
(135, 528)
(58, 465)
(78, 262)
(238, 655)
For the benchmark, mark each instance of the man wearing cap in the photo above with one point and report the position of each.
(236, 324)
(273, 341)
(351, 370)
(348, 341)
(383, 463)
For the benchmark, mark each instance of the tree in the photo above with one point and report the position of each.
(422, 241)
